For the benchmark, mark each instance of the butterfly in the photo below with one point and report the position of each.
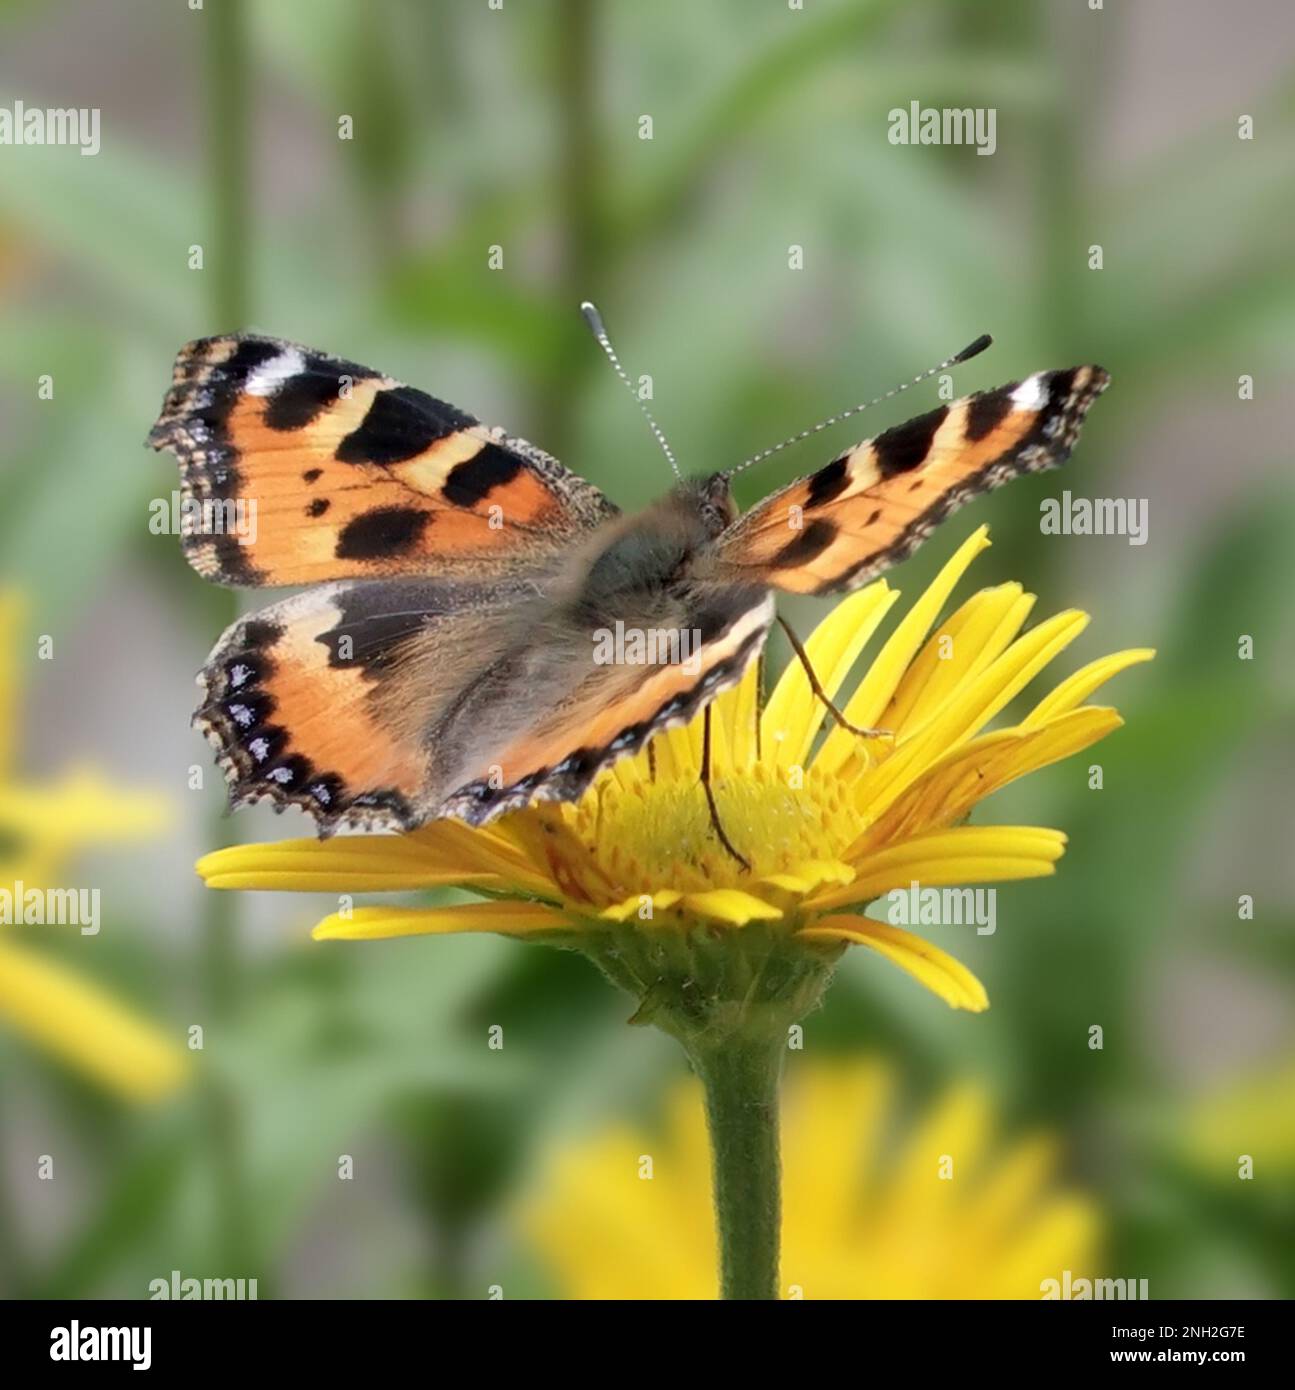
(448, 657)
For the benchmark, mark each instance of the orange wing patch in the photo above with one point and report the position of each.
(330, 700)
(294, 724)
(874, 505)
(297, 467)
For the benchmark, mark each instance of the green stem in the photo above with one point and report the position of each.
(740, 1079)
(729, 997)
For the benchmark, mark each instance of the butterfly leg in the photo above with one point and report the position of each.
(815, 685)
(710, 795)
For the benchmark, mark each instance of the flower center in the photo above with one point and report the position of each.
(660, 834)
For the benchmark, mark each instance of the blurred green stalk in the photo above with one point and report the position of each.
(15, 1266)
(230, 213)
(581, 207)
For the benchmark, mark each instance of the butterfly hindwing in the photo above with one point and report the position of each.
(326, 700)
(298, 468)
(874, 505)
(584, 715)
(384, 704)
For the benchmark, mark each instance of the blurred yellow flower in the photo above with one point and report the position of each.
(826, 831)
(41, 827)
(1249, 1115)
(938, 1208)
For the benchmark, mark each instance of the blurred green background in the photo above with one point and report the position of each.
(519, 127)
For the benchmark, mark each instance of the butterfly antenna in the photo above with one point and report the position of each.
(595, 321)
(970, 351)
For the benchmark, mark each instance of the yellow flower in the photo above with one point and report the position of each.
(828, 825)
(41, 826)
(943, 1209)
(1249, 1115)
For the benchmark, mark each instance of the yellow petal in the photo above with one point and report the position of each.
(964, 854)
(970, 708)
(1244, 1111)
(959, 1124)
(835, 1137)
(794, 713)
(805, 877)
(40, 864)
(497, 849)
(548, 834)
(277, 869)
(730, 905)
(1074, 690)
(1061, 1234)
(875, 690)
(663, 898)
(739, 708)
(87, 1028)
(927, 964)
(631, 772)
(11, 608)
(79, 808)
(1010, 1190)
(721, 742)
(377, 923)
(981, 630)
(444, 853)
(677, 753)
(949, 789)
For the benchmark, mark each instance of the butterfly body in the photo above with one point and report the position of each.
(484, 628)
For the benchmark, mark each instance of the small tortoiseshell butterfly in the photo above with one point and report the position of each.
(443, 663)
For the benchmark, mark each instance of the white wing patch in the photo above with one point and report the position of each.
(269, 376)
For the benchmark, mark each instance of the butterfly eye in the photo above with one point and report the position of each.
(716, 505)
(718, 514)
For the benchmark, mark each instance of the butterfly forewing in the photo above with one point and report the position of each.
(297, 468)
(874, 505)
